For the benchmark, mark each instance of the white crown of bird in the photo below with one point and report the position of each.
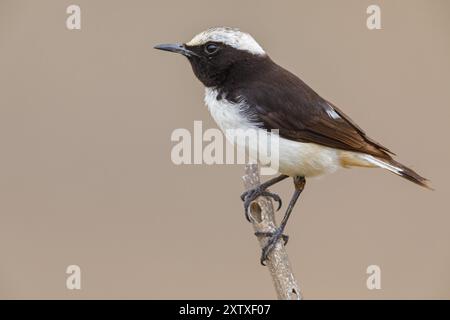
(230, 36)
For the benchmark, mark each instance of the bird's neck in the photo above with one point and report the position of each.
(248, 70)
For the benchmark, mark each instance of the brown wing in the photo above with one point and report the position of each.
(282, 101)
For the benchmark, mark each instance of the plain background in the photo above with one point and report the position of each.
(86, 176)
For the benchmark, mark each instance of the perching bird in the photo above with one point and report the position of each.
(245, 89)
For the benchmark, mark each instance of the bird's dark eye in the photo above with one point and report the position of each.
(211, 48)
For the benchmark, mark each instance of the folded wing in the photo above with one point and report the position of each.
(286, 103)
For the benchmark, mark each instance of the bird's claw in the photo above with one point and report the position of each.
(251, 195)
(272, 240)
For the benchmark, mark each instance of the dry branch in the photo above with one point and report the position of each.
(278, 264)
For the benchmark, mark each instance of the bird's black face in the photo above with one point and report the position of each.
(211, 61)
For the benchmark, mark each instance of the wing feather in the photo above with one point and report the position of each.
(282, 101)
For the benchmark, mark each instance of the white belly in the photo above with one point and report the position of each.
(306, 159)
(295, 158)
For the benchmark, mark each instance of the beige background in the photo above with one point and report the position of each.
(86, 176)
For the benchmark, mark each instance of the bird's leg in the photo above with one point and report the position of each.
(251, 195)
(273, 237)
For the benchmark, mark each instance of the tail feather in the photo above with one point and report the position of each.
(399, 169)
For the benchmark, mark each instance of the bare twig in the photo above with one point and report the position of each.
(263, 215)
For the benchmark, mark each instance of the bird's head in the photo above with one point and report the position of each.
(212, 53)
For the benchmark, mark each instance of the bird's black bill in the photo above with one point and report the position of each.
(177, 48)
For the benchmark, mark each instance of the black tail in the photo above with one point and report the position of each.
(410, 174)
(401, 170)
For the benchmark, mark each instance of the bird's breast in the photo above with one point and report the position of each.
(228, 115)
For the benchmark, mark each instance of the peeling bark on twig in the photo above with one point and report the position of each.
(278, 264)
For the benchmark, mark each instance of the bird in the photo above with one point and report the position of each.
(246, 89)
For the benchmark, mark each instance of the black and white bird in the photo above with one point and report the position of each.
(245, 89)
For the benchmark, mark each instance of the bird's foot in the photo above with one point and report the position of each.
(251, 195)
(272, 240)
